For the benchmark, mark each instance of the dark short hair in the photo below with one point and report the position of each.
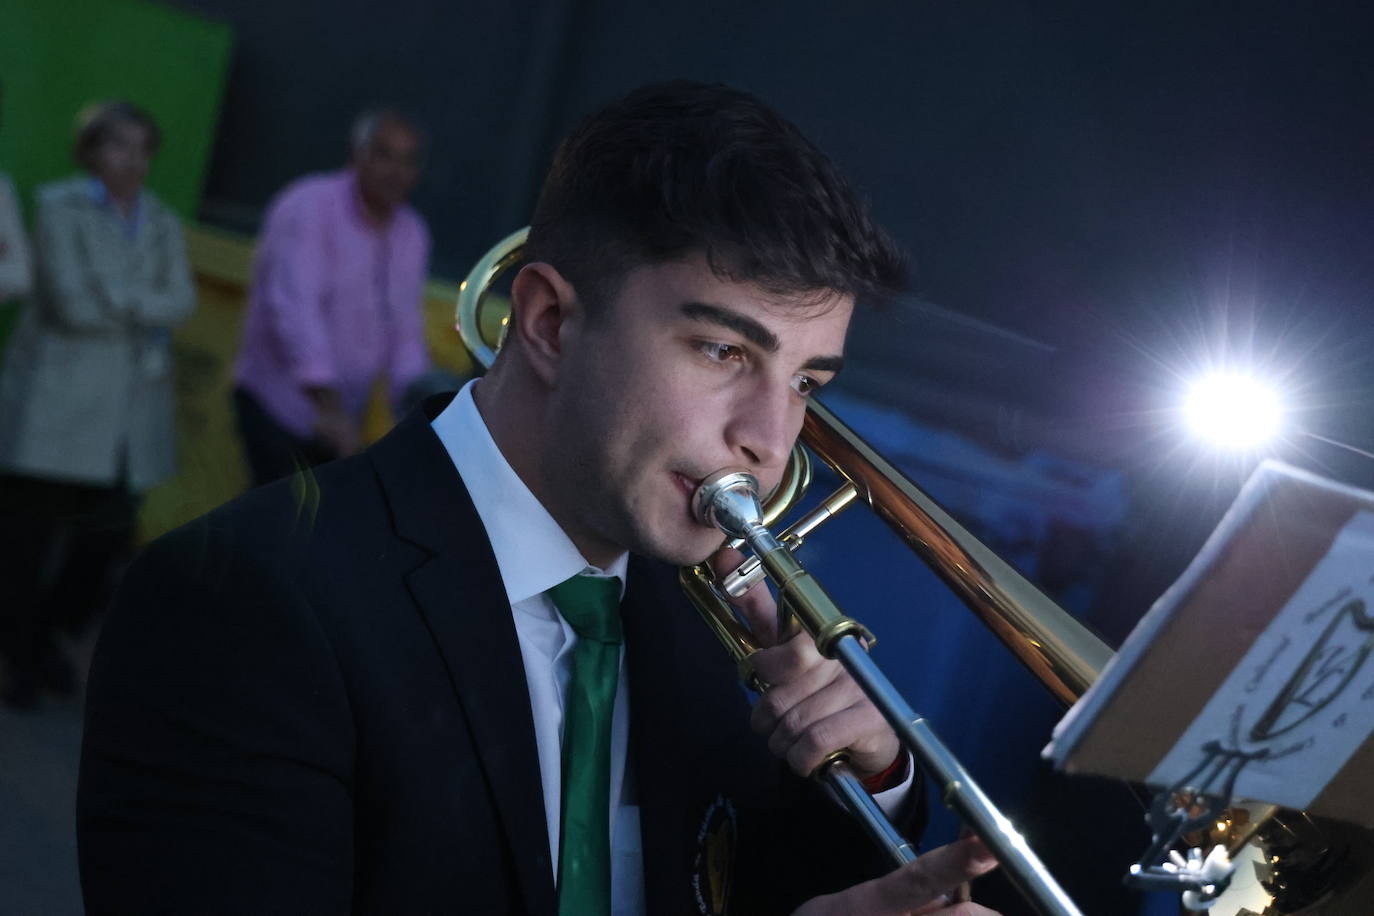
(94, 125)
(683, 167)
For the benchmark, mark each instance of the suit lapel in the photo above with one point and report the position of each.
(685, 705)
(460, 595)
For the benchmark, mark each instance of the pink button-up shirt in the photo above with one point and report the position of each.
(335, 301)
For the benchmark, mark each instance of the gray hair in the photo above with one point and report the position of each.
(366, 125)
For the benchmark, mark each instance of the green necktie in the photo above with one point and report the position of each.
(592, 607)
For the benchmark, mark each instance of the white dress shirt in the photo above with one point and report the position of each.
(534, 555)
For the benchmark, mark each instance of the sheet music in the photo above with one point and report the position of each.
(1071, 727)
(1301, 701)
(1255, 664)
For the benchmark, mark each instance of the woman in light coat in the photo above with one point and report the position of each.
(86, 392)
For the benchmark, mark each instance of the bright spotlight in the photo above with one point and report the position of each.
(1233, 410)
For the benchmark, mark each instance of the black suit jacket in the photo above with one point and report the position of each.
(313, 700)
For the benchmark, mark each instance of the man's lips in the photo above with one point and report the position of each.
(689, 486)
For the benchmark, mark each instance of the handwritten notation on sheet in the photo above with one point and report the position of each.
(1301, 701)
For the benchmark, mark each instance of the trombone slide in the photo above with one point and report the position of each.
(728, 499)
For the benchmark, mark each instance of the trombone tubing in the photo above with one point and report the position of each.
(835, 772)
(1062, 653)
(958, 790)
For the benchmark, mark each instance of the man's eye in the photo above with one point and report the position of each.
(720, 352)
(805, 385)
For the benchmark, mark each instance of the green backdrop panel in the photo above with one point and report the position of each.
(57, 56)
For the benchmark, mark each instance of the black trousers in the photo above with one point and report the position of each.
(273, 451)
(62, 548)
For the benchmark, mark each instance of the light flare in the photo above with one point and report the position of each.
(1233, 410)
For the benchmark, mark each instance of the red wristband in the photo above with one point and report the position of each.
(879, 782)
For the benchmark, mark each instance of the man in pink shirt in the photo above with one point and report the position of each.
(335, 303)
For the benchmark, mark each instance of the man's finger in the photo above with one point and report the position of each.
(913, 886)
(814, 712)
(934, 874)
(782, 698)
(756, 606)
(782, 663)
(921, 886)
(855, 728)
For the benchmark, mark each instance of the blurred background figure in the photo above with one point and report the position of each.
(86, 393)
(16, 274)
(335, 303)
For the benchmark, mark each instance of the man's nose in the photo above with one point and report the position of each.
(764, 425)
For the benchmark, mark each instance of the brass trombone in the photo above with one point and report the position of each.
(1056, 648)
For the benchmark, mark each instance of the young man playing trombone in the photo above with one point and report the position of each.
(454, 673)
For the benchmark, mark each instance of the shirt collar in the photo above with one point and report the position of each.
(357, 211)
(533, 553)
(101, 195)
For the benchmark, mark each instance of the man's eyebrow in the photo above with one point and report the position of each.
(743, 325)
(825, 363)
(754, 332)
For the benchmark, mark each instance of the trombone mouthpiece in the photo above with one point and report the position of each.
(729, 500)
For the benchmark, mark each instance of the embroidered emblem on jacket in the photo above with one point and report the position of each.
(713, 864)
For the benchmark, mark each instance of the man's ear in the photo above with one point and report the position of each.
(543, 305)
